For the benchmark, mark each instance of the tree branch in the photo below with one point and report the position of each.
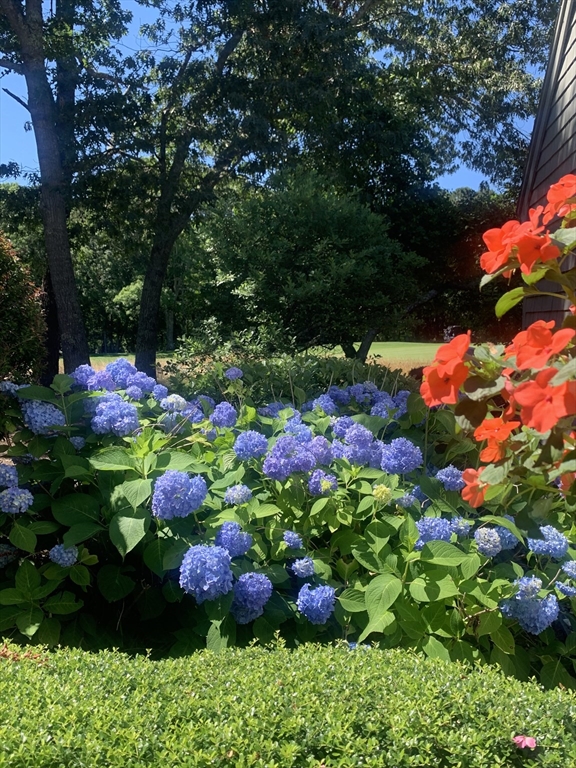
(7, 64)
(228, 50)
(17, 98)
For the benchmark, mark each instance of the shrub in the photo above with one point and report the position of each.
(293, 378)
(273, 707)
(21, 325)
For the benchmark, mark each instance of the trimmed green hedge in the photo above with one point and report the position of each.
(316, 706)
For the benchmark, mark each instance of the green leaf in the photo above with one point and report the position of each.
(27, 578)
(111, 459)
(377, 535)
(565, 237)
(154, 555)
(504, 523)
(469, 567)
(81, 532)
(509, 300)
(174, 555)
(442, 553)
(41, 527)
(8, 617)
(409, 533)
(11, 597)
(80, 575)
(352, 600)
(366, 556)
(566, 373)
(488, 623)
(173, 592)
(22, 538)
(470, 413)
(29, 620)
(63, 603)
(265, 510)
(38, 393)
(113, 584)
(379, 624)
(221, 634)
(554, 673)
(136, 492)
(49, 632)
(76, 508)
(62, 383)
(381, 593)
(180, 461)
(433, 586)
(503, 639)
(434, 649)
(128, 528)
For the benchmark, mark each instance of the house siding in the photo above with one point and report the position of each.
(553, 147)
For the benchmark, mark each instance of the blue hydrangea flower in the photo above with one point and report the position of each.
(316, 604)
(401, 456)
(375, 454)
(554, 544)
(120, 370)
(177, 495)
(231, 537)
(143, 382)
(533, 615)
(432, 529)
(15, 501)
(134, 392)
(238, 494)
(173, 403)
(8, 554)
(569, 568)
(507, 538)
(406, 501)
(292, 540)
(233, 373)
(114, 415)
(304, 567)
(206, 402)
(341, 425)
(159, 392)
(359, 393)
(78, 442)
(8, 476)
(488, 541)
(338, 395)
(401, 402)
(101, 380)
(321, 448)
(359, 436)
(272, 409)
(380, 409)
(41, 417)
(460, 526)
(566, 589)
(384, 398)
(451, 478)
(250, 445)
(251, 593)
(64, 556)
(326, 404)
(527, 587)
(321, 484)
(300, 432)
(82, 374)
(288, 456)
(224, 415)
(205, 572)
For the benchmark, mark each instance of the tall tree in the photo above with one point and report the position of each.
(43, 45)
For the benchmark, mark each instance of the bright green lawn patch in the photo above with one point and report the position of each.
(316, 706)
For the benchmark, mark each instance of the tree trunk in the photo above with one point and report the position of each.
(364, 348)
(349, 350)
(29, 32)
(169, 329)
(52, 332)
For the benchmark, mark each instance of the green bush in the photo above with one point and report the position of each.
(293, 378)
(21, 324)
(276, 708)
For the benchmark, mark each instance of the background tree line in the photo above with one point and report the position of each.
(153, 165)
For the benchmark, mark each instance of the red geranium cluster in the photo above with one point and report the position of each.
(526, 384)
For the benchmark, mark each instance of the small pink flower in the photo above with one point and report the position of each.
(525, 741)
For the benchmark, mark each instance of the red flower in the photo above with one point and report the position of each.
(447, 373)
(561, 198)
(521, 241)
(536, 345)
(525, 741)
(475, 490)
(543, 405)
(496, 432)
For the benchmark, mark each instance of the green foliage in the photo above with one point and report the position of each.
(310, 266)
(21, 324)
(293, 378)
(274, 707)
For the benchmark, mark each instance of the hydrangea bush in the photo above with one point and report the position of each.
(135, 516)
